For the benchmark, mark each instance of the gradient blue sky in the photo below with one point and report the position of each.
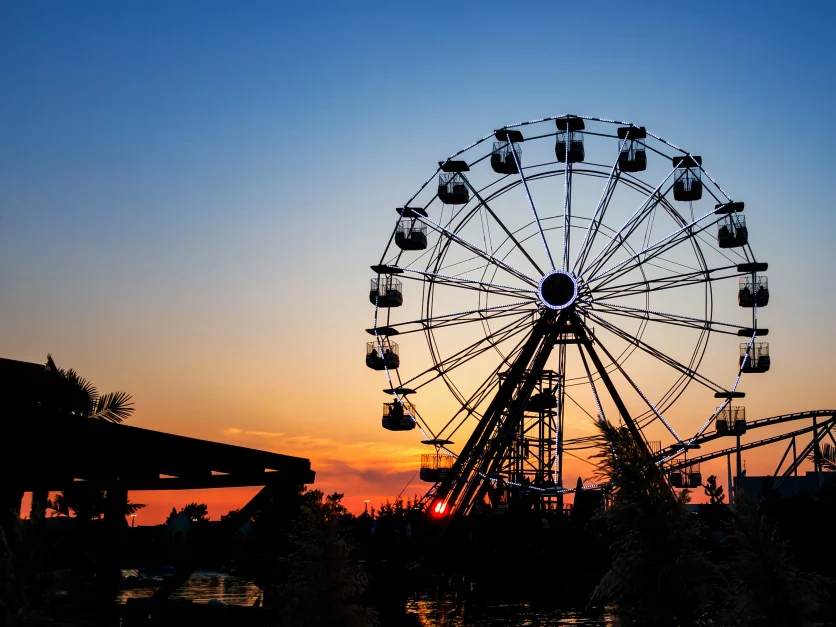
(191, 192)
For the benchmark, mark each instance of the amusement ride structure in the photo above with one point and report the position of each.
(569, 270)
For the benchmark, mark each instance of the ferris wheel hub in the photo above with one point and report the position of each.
(558, 289)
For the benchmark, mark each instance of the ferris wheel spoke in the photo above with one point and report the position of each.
(463, 317)
(531, 203)
(636, 388)
(682, 234)
(477, 251)
(657, 354)
(482, 286)
(423, 425)
(673, 281)
(708, 422)
(567, 208)
(652, 251)
(597, 217)
(508, 233)
(589, 376)
(601, 306)
(490, 384)
(653, 199)
(489, 342)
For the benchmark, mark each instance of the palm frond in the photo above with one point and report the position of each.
(133, 508)
(82, 385)
(113, 407)
(827, 456)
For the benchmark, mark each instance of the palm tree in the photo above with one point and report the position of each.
(769, 588)
(659, 577)
(72, 396)
(827, 456)
(88, 504)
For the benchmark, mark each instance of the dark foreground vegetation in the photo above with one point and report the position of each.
(652, 561)
(635, 549)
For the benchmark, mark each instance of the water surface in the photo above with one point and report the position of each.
(202, 587)
(448, 612)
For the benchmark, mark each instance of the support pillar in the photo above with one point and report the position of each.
(794, 458)
(816, 453)
(108, 566)
(730, 484)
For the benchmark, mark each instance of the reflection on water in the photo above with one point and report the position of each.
(426, 611)
(201, 587)
(449, 612)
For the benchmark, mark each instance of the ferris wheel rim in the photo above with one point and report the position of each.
(600, 274)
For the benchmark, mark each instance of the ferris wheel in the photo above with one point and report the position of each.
(552, 274)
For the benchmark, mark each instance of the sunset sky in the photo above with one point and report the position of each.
(191, 193)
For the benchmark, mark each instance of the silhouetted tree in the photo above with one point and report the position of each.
(769, 589)
(195, 512)
(399, 509)
(87, 504)
(229, 515)
(713, 491)
(658, 576)
(826, 457)
(323, 584)
(26, 585)
(73, 395)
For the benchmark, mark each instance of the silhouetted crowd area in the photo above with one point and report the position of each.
(637, 551)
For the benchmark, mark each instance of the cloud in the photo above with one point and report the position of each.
(371, 452)
(369, 475)
(233, 432)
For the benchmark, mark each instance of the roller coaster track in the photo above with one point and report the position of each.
(823, 428)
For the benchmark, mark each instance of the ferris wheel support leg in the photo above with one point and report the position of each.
(580, 331)
(490, 461)
(463, 469)
(560, 416)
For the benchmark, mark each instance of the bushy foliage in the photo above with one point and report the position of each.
(73, 395)
(659, 577)
(195, 512)
(25, 583)
(230, 515)
(87, 504)
(323, 585)
(713, 491)
(400, 508)
(768, 587)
